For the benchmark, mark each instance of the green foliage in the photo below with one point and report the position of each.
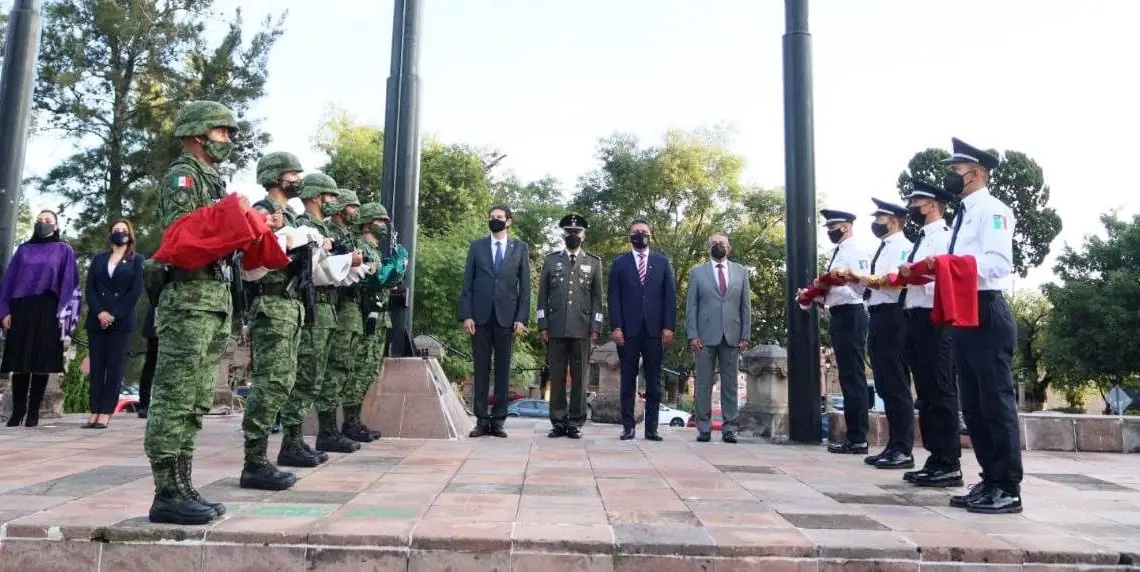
(24, 218)
(536, 208)
(75, 385)
(1019, 182)
(112, 77)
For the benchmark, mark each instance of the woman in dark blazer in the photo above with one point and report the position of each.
(114, 284)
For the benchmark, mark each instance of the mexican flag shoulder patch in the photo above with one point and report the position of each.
(182, 182)
(999, 222)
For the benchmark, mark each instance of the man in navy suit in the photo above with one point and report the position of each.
(494, 306)
(643, 314)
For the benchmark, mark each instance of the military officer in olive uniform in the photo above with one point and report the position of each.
(569, 319)
(276, 316)
(374, 310)
(192, 318)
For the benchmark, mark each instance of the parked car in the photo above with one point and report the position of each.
(128, 403)
(716, 422)
(512, 396)
(672, 417)
(529, 408)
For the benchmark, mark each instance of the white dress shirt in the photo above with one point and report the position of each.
(986, 233)
(503, 242)
(932, 241)
(895, 250)
(716, 277)
(851, 254)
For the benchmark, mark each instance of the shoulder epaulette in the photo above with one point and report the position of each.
(555, 253)
(594, 256)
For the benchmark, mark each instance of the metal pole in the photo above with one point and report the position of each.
(400, 180)
(16, 82)
(799, 162)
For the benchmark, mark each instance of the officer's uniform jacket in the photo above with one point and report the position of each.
(570, 295)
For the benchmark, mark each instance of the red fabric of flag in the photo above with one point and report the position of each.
(207, 234)
(955, 291)
(265, 252)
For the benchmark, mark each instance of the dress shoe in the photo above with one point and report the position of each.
(994, 500)
(626, 434)
(573, 432)
(960, 501)
(496, 430)
(938, 477)
(895, 460)
(847, 448)
(653, 437)
(870, 459)
(704, 437)
(728, 436)
(478, 431)
(556, 432)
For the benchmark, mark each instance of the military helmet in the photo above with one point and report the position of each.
(316, 184)
(271, 166)
(372, 211)
(199, 117)
(346, 199)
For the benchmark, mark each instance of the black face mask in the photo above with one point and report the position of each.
(119, 238)
(718, 251)
(835, 235)
(44, 229)
(572, 241)
(496, 225)
(639, 241)
(954, 183)
(915, 214)
(292, 189)
(879, 229)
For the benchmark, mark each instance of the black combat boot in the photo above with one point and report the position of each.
(351, 427)
(259, 473)
(293, 452)
(172, 504)
(329, 438)
(185, 468)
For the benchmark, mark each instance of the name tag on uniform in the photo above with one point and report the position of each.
(585, 268)
(598, 317)
(541, 314)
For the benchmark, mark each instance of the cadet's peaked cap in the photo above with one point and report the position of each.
(831, 216)
(889, 209)
(574, 222)
(317, 184)
(965, 153)
(925, 190)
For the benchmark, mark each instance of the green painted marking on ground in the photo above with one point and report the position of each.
(302, 510)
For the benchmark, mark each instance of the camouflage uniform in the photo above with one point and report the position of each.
(313, 354)
(193, 321)
(374, 310)
(276, 317)
(340, 372)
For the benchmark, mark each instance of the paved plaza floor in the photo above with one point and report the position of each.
(76, 499)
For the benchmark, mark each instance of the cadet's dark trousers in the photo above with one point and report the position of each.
(930, 355)
(108, 360)
(848, 330)
(146, 378)
(887, 341)
(491, 339)
(984, 355)
(572, 352)
(638, 348)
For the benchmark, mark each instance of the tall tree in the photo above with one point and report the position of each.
(1031, 366)
(1019, 182)
(112, 78)
(536, 207)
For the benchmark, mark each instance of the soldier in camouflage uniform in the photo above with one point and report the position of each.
(192, 319)
(340, 372)
(569, 319)
(317, 190)
(276, 317)
(374, 309)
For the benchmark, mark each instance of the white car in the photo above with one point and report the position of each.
(672, 417)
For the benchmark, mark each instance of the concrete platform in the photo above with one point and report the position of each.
(76, 499)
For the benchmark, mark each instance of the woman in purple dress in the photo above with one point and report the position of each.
(39, 309)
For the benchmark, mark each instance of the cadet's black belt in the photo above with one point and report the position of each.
(845, 308)
(216, 271)
(327, 295)
(885, 306)
(348, 294)
(918, 310)
(989, 295)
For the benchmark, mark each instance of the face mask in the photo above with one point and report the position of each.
(44, 229)
(217, 151)
(879, 229)
(292, 189)
(496, 225)
(329, 209)
(954, 183)
(835, 235)
(379, 228)
(915, 214)
(352, 219)
(119, 238)
(572, 241)
(639, 241)
(718, 251)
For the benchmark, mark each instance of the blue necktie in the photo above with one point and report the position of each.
(961, 214)
(498, 256)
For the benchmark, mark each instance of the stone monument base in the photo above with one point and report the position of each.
(411, 399)
(760, 422)
(606, 408)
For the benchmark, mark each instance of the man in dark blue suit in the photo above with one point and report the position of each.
(494, 306)
(643, 314)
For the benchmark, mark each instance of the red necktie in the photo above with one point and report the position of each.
(721, 284)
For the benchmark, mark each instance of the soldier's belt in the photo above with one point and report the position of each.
(272, 289)
(348, 294)
(214, 271)
(327, 295)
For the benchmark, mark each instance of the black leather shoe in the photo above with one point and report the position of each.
(704, 437)
(994, 500)
(478, 431)
(626, 434)
(728, 436)
(870, 459)
(847, 448)
(960, 501)
(653, 437)
(895, 460)
(573, 432)
(938, 477)
(556, 432)
(496, 430)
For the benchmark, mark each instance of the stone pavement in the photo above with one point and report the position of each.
(76, 499)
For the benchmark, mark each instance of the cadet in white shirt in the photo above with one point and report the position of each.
(983, 228)
(886, 340)
(930, 348)
(848, 329)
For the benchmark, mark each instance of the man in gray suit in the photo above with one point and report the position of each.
(494, 306)
(718, 320)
